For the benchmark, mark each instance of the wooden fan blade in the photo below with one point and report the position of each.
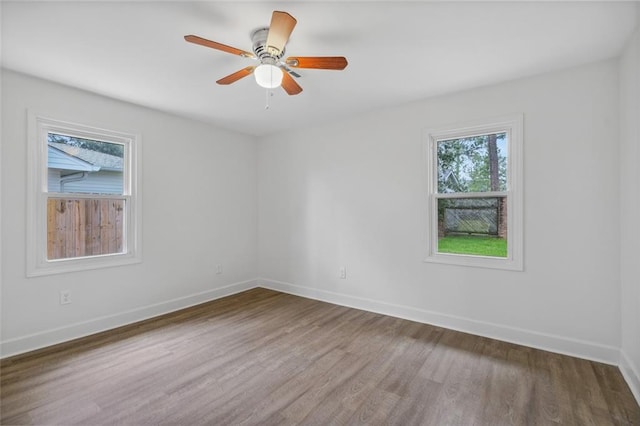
(289, 84)
(232, 78)
(319, 62)
(280, 29)
(219, 46)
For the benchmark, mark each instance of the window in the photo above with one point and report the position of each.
(83, 204)
(475, 194)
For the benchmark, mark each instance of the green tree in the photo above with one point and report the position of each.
(483, 178)
(454, 165)
(492, 150)
(472, 164)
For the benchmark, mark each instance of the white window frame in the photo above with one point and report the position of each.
(513, 126)
(37, 186)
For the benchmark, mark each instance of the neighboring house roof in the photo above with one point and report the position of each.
(99, 160)
(58, 159)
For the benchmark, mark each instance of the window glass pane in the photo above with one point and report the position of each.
(473, 226)
(76, 165)
(84, 227)
(473, 164)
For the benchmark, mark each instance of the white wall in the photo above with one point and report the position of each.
(353, 194)
(199, 205)
(630, 209)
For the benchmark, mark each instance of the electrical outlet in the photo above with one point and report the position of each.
(218, 269)
(343, 273)
(65, 297)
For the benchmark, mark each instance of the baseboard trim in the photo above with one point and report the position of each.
(548, 342)
(630, 374)
(54, 336)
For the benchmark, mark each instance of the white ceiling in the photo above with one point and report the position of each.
(398, 52)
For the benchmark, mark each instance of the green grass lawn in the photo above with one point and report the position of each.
(473, 244)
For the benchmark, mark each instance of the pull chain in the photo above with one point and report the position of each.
(268, 94)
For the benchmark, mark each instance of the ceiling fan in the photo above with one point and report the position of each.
(269, 48)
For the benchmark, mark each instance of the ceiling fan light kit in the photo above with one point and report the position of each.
(268, 76)
(268, 49)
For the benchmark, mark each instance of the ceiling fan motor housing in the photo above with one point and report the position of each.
(265, 54)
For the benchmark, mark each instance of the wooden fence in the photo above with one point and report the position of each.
(84, 227)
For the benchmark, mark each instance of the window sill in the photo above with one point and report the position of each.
(64, 266)
(475, 261)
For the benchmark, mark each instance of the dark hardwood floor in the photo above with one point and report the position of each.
(262, 357)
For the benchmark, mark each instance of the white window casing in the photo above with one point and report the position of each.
(513, 126)
(38, 193)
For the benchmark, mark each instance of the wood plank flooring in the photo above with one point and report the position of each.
(267, 358)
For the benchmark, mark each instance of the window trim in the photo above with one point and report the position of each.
(37, 194)
(513, 126)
